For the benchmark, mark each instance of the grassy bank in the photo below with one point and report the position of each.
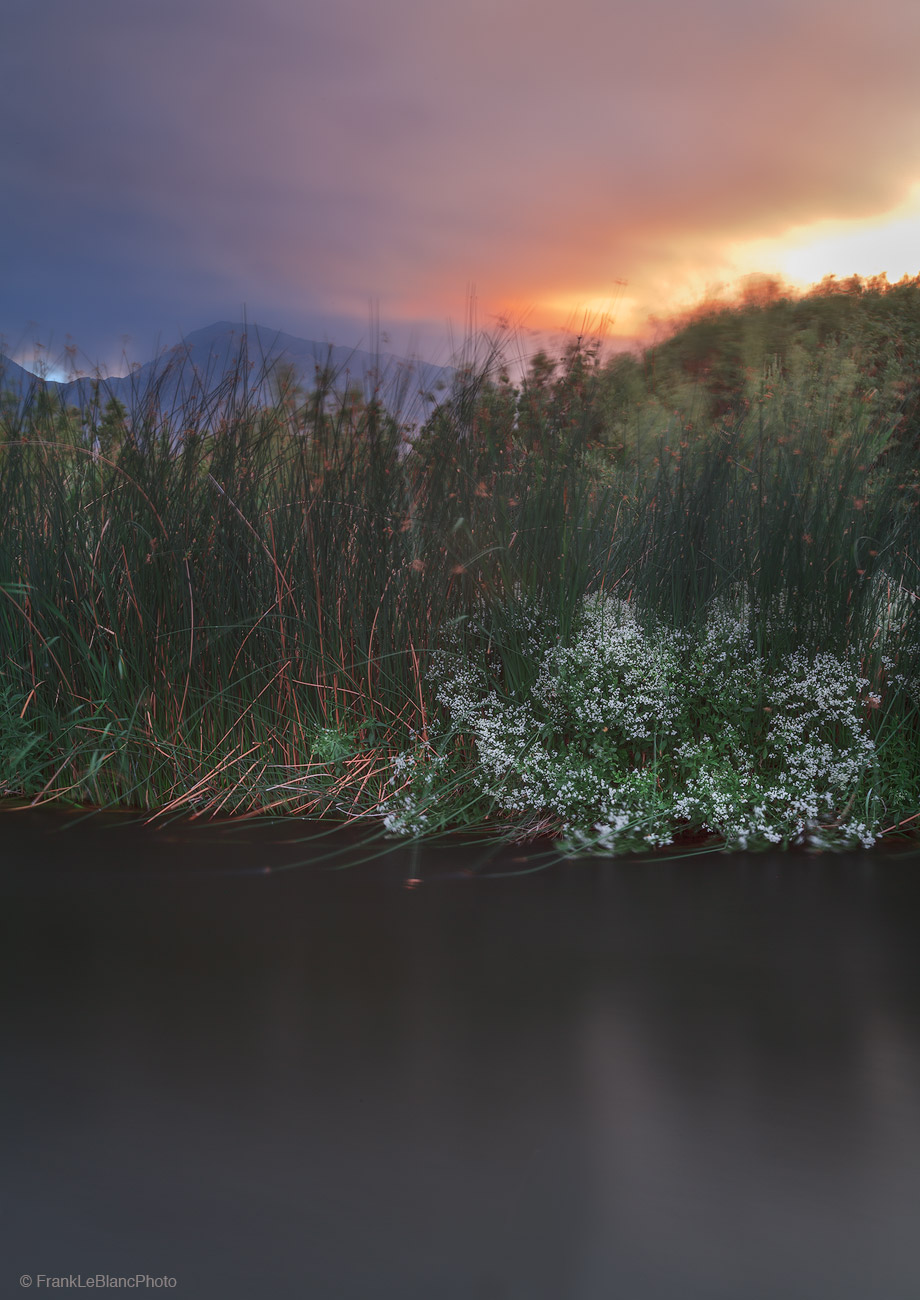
(576, 606)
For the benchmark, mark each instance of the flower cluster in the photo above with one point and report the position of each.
(411, 808)
(797, 783)
(613, 680)
(631, 732)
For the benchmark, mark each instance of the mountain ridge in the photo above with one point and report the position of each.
(209, 364)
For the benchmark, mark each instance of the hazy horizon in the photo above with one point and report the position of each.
(337, 172)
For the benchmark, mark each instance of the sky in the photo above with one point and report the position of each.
(395, 168)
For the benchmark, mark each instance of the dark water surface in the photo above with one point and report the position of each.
(682, 1079)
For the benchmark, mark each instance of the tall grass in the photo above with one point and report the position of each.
(234, 609)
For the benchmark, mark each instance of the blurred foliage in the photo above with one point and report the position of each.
(852, 341)
(234, 607)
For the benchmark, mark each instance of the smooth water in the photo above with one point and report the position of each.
(660, 1079)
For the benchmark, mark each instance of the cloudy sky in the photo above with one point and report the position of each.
(166, 163)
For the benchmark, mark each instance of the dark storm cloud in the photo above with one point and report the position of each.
(165, 163)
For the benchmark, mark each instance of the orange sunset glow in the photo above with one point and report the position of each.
(321, 168)
(885, 244)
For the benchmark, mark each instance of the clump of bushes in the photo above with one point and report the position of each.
(632, 734)
(327, 607)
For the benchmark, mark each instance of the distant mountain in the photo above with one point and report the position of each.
(228, 359)
(14, 379)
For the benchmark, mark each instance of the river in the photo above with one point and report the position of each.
(237, 1062)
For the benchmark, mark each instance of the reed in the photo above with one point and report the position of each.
(240, 609)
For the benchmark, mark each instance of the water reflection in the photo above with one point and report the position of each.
(606, 1079)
